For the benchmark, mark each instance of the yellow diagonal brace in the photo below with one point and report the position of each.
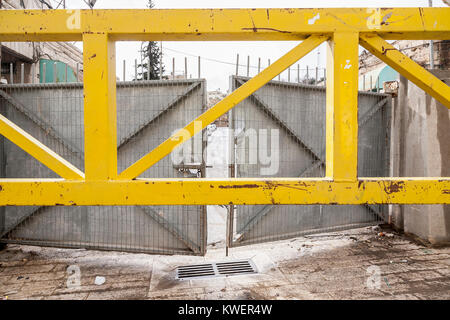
(407, 67)
(39, 151)
(222, 107)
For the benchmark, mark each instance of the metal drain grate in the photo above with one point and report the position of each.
(218, 269)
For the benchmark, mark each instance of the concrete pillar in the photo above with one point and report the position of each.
(421, 147)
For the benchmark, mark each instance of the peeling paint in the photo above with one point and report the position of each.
(421, 17)
(267, 29)
(385, 18)
(347, 64)
(360, 183)
(313, 19)
(394, 187)
(239, 186)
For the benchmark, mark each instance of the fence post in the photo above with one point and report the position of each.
(78, 72)
(123, 70)
(173, 68)
(307, 73)
(237, 64)
(298, 73)
(44, 72)
(160, 63)
(22, 73)
(149, 68)
(199, 70)
(185, 68)
(33, 73)
(66, 72)
(289, 74)
(54, 72)
(248, 66)
(135, 69)
(317, 76)
(11, 73)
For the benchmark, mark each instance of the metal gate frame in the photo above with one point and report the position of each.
(318, 162)
(343, 28)
(191, 86)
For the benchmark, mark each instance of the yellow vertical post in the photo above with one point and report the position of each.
(100, 145)
(342, 107)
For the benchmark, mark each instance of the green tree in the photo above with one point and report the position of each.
(150, 58)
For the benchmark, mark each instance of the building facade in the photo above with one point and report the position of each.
(38, 62)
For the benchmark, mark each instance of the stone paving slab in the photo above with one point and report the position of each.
(356, 264)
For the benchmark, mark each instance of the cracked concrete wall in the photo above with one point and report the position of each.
(421, 147)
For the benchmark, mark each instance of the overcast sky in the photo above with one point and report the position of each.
(219, 58)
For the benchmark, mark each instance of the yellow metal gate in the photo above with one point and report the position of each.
(343, 29)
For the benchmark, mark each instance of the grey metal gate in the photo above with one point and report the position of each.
(147, 113)
(290, 118)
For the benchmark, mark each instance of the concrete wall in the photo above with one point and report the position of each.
(421, 147)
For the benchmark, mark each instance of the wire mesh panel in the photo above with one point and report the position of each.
(147, 113)
(279, 131)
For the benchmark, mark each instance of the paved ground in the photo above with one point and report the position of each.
(355, 264)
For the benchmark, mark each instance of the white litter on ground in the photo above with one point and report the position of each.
(99, 280)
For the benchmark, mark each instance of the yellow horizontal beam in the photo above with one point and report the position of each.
(230, 191)
(407, 67)
(39, 151)
(222, 107)
(222, 24)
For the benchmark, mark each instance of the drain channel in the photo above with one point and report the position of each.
(218, 269)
